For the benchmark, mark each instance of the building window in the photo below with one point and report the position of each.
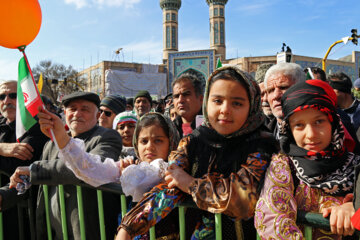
(173, 37)
(216, 13)
(173, 17)
(222, 33)
(216, 33)
(221, 12)
(168, 17)
(167, 37)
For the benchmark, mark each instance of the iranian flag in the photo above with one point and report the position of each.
(28, 100)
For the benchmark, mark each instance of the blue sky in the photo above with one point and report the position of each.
(84, 32)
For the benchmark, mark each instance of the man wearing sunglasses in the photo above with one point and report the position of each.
(110, 106)
(13, 153)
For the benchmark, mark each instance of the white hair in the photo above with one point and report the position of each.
(292, 70)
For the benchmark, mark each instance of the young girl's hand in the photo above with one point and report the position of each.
(125, 162)
(122, 235)
(340, 218)
(175, 176)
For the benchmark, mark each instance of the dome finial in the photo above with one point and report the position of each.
(170, 4)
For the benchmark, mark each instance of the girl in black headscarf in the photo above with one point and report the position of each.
(219, 166)
(315, 172)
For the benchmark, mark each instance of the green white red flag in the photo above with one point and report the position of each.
(28, 100)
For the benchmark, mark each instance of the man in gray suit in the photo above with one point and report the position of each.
(81, 114)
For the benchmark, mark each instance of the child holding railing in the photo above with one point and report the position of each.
(314, 172)
(219, 165)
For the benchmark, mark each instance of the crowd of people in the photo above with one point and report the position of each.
(256, 150)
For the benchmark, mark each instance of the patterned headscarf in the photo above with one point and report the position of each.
(256, 116)
(174, 137)
(331, 169)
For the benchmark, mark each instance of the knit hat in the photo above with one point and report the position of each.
(143, 93)
(261, 70)
(342, 83)
(357, 83)
(116, 102)
(123, 118)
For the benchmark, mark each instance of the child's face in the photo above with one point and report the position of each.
(228, 106)
(126, 131)
(153, 143)
(311, 129)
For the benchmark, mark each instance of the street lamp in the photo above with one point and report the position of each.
(353, 38)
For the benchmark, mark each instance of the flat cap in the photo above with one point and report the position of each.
(89, 96)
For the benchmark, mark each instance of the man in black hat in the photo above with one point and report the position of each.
(142, 103)
(342, 85)
(110, 106)
(129, 104)
(81, 114)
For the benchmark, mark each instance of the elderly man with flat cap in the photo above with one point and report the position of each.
(81, 114)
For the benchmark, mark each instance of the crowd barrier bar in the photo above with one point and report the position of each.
(308, 219)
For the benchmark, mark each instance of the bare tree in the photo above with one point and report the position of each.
(58, 79)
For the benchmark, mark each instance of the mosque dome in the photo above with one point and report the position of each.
(216, 2)
(170, 4)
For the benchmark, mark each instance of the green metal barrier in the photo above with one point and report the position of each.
(308, 219)
(1, 222)
(101, 215)
(47, 211)
(81, 212)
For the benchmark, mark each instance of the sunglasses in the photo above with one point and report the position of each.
(107, 113)
(11, 95)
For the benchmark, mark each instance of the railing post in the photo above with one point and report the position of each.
(1, 221)
(47, 212)
(101, 214)
(308, 233)
(152, 233)
(123, 205)
(218, 226)
(63, 212)
(182, 222)
(81, 212)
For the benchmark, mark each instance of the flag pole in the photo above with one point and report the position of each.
(22, 49)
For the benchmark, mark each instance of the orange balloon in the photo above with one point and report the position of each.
(20, 22)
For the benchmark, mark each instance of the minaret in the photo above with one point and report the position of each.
(170, 26)
(217, 26)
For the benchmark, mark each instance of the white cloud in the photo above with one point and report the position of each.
(103, 3)
(255, 8)
(117, 3)
(77, 3)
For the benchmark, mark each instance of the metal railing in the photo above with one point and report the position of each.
(308, 219)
